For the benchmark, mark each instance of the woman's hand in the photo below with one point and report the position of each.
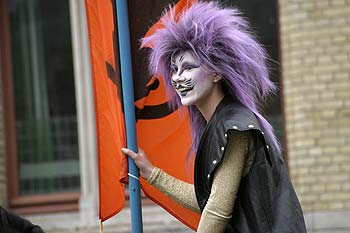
(141, 162)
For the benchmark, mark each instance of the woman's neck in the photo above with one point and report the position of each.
(208, 106)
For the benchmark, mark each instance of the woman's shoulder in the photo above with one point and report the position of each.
(235, 116)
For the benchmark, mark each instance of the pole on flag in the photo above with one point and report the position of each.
(129, 112)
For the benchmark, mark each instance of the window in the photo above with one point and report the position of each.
(46, 166)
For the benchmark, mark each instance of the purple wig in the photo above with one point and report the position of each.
(219, 38)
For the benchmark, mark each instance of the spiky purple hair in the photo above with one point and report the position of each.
(220, 39)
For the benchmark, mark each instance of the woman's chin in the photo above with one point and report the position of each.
(186, 98)
(187, 101)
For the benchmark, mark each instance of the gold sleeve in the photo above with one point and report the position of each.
(236, 163)
(178, 190)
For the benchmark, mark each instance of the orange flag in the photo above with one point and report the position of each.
(163, 133)
(112, 165)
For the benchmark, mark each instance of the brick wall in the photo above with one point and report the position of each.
(315, 48)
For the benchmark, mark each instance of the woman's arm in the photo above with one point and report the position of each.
(237, 158)
(218, 211)
(178, 190)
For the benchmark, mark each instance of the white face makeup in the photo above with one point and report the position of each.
(191, 82)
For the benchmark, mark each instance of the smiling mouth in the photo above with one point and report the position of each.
(184, 90)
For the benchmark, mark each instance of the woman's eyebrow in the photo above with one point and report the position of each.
(185, 64)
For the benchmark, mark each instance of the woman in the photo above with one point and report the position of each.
(208, 57)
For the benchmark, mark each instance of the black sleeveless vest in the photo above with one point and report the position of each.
(266, 200)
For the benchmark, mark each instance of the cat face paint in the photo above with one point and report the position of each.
(191, 82)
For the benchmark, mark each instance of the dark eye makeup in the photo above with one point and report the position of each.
(184, 66)
(173, 69)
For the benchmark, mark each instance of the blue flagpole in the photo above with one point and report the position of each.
(129, 112)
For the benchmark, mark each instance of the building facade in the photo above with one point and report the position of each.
(315, 48)
(48, 158)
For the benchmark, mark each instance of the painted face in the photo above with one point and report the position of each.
(191, 82)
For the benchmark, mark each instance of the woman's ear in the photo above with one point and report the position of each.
(216, 78)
